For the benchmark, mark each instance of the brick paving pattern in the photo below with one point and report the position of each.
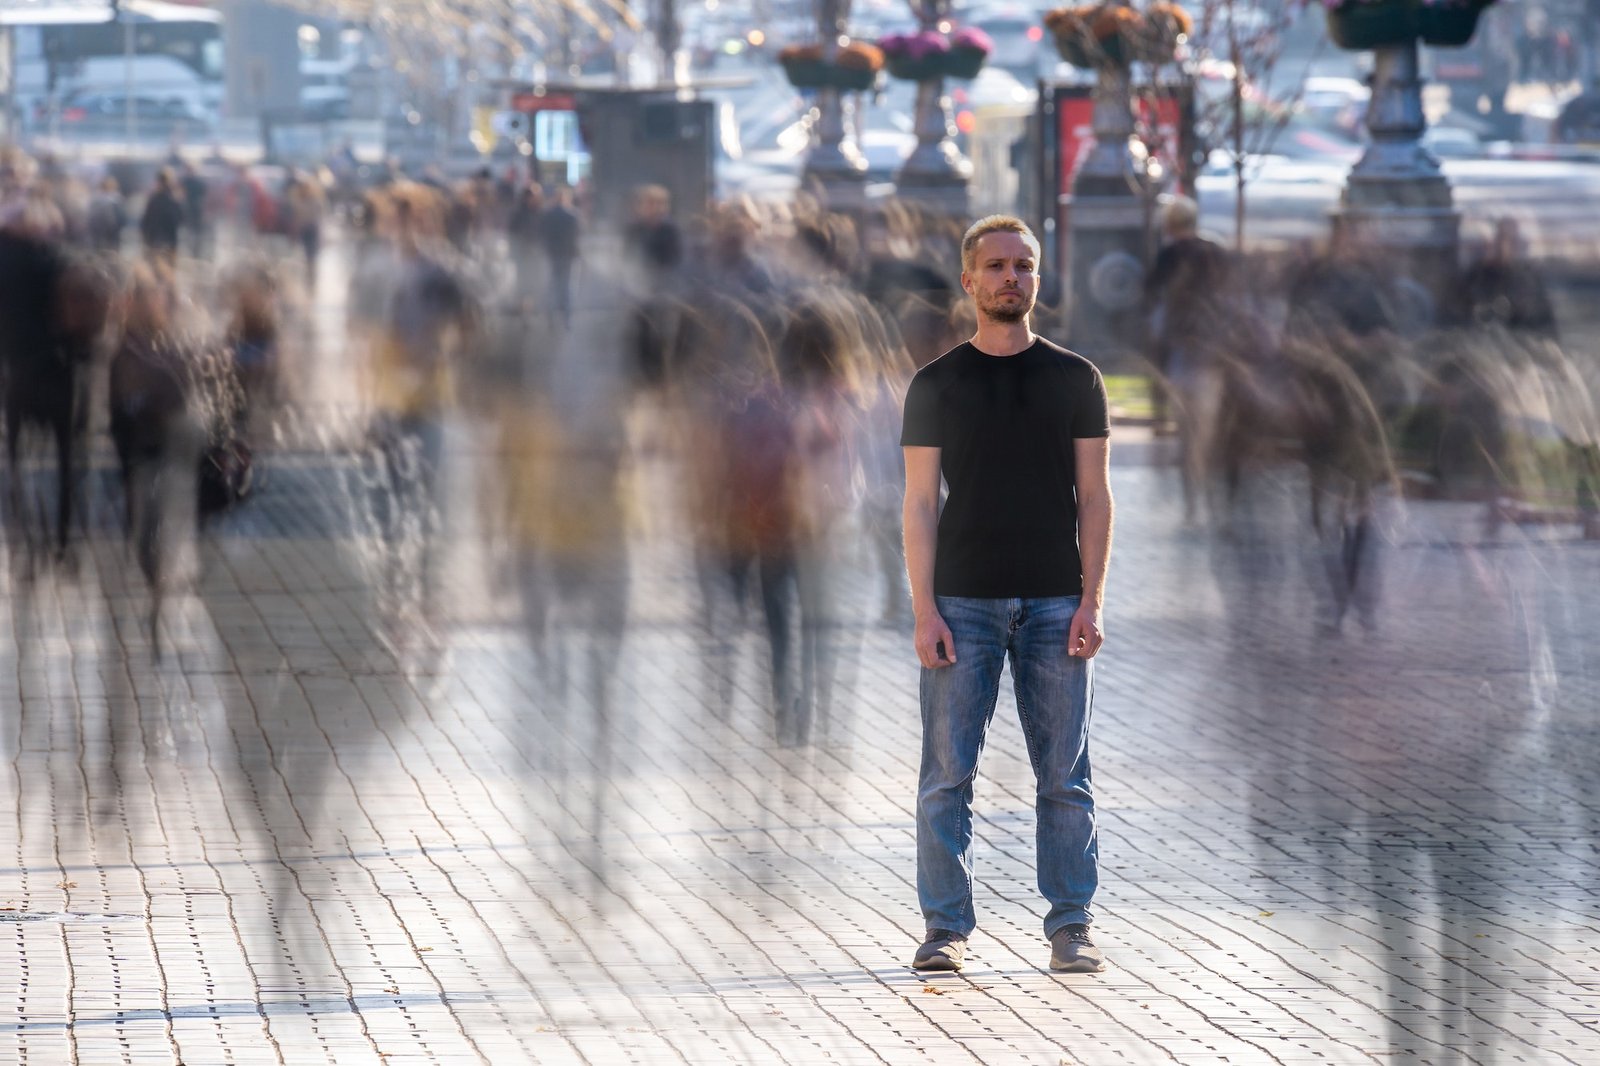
(307, 834)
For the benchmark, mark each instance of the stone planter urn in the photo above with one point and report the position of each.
(835, 68)
(1110, 210)
(935, 174)
(1397, 199)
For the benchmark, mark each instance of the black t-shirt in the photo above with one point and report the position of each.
(1006, 426)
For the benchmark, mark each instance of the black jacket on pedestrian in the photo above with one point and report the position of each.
(558, 233)
(194, 200)
(163, 217)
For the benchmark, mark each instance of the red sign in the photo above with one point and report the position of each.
(1160, 121)
(528, 103)
(1159, 118)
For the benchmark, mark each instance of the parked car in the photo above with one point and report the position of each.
(108, 112)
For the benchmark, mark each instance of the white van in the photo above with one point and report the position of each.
(65, 51)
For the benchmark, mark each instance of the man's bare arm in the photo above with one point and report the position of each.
(921, 524)
(1092, 458)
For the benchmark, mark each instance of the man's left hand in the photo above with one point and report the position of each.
(1085, 636)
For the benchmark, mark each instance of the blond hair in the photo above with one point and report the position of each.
(994, 224)
(1180, 217)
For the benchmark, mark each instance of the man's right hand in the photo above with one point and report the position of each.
(932, 638)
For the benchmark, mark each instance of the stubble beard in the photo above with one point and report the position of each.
(995, 311)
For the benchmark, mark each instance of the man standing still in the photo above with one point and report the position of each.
(1015, 565)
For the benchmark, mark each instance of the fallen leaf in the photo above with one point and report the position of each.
(424, 949)
(67, 884)
(1265, 914)
(932, 991)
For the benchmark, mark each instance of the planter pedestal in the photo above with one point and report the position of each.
(1397, 200)
(935, 174)
(1109, 219)
(835, 164)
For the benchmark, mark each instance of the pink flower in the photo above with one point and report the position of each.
(914, 46)
(971, 37)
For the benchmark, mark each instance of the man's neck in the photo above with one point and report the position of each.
(1002, 338)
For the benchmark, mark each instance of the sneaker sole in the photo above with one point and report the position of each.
(936, 965)
(1081, 966)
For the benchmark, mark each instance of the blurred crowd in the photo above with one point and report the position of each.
(1380, 389)
(754, 359)
(729, 381)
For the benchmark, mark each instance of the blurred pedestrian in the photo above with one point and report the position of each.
(427, 327)
(108, 217)
(485, 204)
(522, 232)
(730, 264)
(652, 238)
(305, 205)
(158, 435)
(253, 338)
(1343, 348)
(881, 369)
(195, 209)
(1013, 566)
(822, 364)
(460, 216)
(558, 236)
(1187, 316)
(1502, 288)
(163, 218)
(51, 314)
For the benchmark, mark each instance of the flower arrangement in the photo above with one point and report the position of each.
(929, 54)
(1363, 24)
(855, 66)
(1112, 34)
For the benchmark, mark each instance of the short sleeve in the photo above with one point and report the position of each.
(1091, 416)
(920, 427)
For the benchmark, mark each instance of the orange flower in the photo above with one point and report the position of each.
(1112, 33)
(1115, 21)
(1170, 16)
(1070, 21)
(858, 55)
(801, 53)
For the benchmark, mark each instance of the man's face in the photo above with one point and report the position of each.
(651, 207)
(1004, 279)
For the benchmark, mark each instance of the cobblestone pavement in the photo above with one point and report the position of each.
(314, 832)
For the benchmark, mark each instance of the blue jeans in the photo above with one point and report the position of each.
(1055, 692)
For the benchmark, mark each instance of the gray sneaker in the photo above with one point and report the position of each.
(1071, 951)
(941, 951)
